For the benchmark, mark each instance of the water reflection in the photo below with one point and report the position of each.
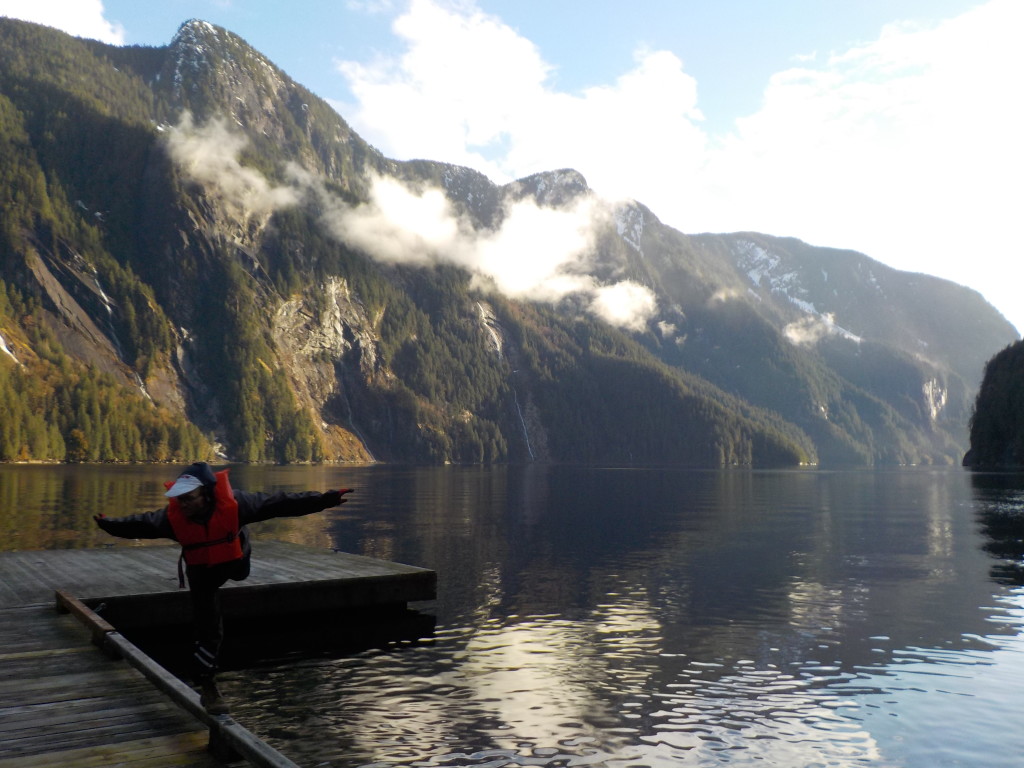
(636, 617)
(544, 691)
(47, 507)
(1000, 512)
(657, 617)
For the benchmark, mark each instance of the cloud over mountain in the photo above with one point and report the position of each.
(865, 147)
(537, 253)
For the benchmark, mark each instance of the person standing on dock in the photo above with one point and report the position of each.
(208, 518)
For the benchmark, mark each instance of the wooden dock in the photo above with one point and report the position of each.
(64, 702)
(139, 585)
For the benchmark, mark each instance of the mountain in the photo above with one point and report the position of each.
(997, 424)
(200, 255)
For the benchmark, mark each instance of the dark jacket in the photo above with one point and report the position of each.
(252, 508)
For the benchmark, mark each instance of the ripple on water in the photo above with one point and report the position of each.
(541, 692)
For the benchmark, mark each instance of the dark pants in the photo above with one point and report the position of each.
(204, 583)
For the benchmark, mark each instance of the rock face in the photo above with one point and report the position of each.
(211, 234)
(324, 348)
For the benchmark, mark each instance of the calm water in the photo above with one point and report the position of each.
(622, 618)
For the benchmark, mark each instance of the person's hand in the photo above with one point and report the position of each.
(336, 498)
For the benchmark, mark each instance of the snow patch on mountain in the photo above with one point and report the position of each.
(199, 46)
(553, 186)
(768, 272)
(190, 44)
(6, 349)
(629, 223)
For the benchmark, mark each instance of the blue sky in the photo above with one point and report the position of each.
(887, 126)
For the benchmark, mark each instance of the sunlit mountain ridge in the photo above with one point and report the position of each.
(187, 230)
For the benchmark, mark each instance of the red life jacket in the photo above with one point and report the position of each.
(216, 540)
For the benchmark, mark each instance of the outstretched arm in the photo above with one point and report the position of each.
(256, 507)
(147, 525)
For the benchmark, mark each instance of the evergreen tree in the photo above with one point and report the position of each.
(997, 425)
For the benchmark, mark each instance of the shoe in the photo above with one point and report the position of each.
(211, 699)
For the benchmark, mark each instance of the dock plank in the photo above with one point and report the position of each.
(62, 702)
(187, 749)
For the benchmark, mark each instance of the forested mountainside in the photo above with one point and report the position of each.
(197, 254)
(997, 424)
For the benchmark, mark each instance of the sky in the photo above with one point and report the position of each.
(889, 127)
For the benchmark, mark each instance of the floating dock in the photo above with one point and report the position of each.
(139, 585)
(64, 702)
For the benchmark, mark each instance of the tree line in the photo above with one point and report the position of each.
(997, 424)
(53, 408)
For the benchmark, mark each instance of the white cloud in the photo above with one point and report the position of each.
(540, 252)
(452, 93)
(723, 295)
(399, 225)
(208, 154)
(470, 90)
(536, 254)
(875, 143)
(626, 304)
(81, 18)
(810, 329)
(905, 148)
